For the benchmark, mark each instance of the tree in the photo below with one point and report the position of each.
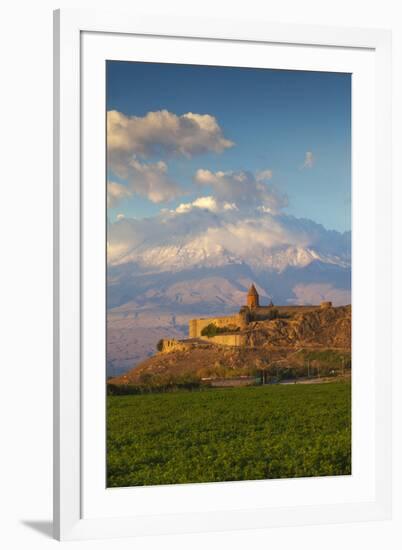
(209, 330)
(145, 377)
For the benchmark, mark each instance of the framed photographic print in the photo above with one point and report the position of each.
(222, 275)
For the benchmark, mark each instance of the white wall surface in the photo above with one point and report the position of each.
(26, 272)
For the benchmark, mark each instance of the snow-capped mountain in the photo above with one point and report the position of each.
(164, 271)
(198, 254)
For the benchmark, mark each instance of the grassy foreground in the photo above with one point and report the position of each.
(229, 434)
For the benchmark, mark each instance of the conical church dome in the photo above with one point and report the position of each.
(252, 291)
(252, 297)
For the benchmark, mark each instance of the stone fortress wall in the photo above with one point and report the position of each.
(226, 339)
(169, 345)
(231, 322)
(235, 325)
(246, 315)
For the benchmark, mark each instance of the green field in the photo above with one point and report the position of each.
(263, 432)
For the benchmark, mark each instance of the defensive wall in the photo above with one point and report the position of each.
(263, 312)
(169, 345)
(231, 322)
(236, 322)
(226, 339)
(246, 315)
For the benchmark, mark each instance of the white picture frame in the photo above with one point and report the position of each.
(83, 508)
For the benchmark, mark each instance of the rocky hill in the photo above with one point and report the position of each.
(323, 335)
(329, 328)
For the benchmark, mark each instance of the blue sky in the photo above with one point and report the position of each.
(294, 124)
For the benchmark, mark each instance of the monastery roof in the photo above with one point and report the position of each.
(252, 291)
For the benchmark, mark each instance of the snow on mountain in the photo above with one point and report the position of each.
(201, 255)
(194, 239)
(166, 270)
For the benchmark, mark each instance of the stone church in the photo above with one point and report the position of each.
(248, 313)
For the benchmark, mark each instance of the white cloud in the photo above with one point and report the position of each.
(149, 180)
(131, 138)
(244, 189)
(206, 203)
(315, 293)
(120, 216)
(259, 237)
(308, 160)
(116, 192)
(164, 132)
(263, 175)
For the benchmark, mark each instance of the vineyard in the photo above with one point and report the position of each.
(268, 432)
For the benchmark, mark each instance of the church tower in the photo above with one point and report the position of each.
(253, 299)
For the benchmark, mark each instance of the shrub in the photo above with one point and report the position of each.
(212, 330)
(145, 377)
(159, 345)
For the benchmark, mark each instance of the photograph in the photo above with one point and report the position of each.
(201, 276)
(228, 265)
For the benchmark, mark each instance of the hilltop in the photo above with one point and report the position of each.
(329, 328)
(321, 337)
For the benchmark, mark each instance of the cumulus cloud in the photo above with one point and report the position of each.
(131, 139)
(243, 188)
(150, 180)
(308, 160)
(263, 175)
(206, 203)
(256, 237)
(162, 132)
(116, 192)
